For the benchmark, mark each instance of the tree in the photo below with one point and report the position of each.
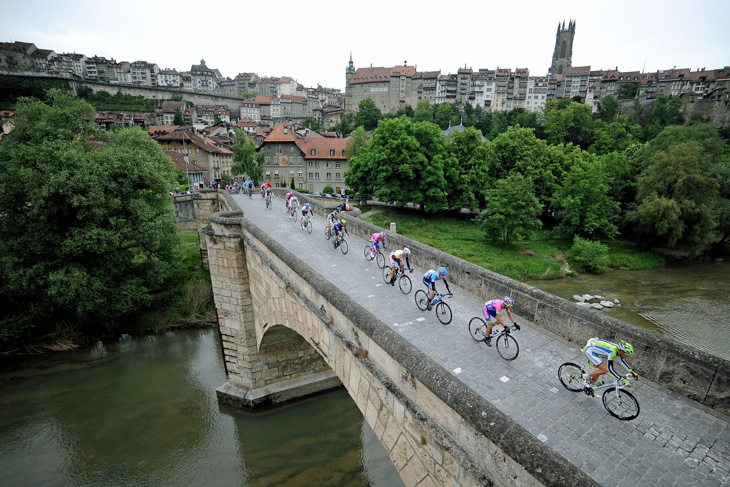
(404, 162)
(608, 108)
(367, 114)
(424, 112)
(356, 143)
(583, 204)
(311, 123)
(683, 189)
(471, 156)
(177, 119)
(249, 94)
(664, 113)
(87, 227)
(245, 158)
(568, 124)
(511, 210)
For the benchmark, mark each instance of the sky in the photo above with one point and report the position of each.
(312, 41)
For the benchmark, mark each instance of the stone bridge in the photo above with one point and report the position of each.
(297, 317)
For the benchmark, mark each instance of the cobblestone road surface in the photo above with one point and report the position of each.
(673, 442)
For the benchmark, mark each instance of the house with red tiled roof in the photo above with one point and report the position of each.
(390, 88)
(247, 125)
(295, 153)
(167, 114)
(193, 172)
(214, 159)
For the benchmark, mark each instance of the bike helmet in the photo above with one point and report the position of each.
(626, 347)
(382, 234)
(509, 302)
(307, 205)
(344, 222)
(407, 251)
(442, 270)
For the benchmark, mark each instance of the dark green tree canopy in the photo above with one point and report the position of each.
(245, 158)
(87, 223)
(367, 114)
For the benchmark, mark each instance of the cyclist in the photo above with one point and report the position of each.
(332, 218)
(293, 205)
(429, 279)
(269, 195)
(493, 312)
(597, 350)
(339, 227)
(286, 201)
(307, 213)
(376, 238)
(396, 258)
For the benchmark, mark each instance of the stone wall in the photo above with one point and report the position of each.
(436, 430)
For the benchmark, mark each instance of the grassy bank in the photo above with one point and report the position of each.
(541, 257)
(185, 298)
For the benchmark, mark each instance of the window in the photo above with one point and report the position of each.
(291, 173)
(276, 159)
(278, 148)
(329, 175)
(311, 175)
(332, 152)
(276, 173)
(267, 159)
(268, 173)
(337, 175)
(313, 152)
(329, 164)
(310, 164)
(300, 160)
(343, 152)
(300, 174)
(316, 175)
(338, 164)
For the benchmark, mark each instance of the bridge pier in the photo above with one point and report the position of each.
(260, 373)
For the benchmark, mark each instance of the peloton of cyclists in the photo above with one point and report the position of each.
(596, 350)
(396, 258)
(339, 227)
(493, 312)
(429, 279)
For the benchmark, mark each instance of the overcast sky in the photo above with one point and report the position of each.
(312, 41)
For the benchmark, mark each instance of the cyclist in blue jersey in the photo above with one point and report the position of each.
(429, 279)
(339, 227)
(597, 350)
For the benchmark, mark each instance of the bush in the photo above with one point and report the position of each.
(328, 190)
(589, 256)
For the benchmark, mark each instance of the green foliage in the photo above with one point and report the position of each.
(249, 94)
(245, 158)
(405, 162)
(663, 113)
(502, 121)
(568, 124)
(511, 210)
(104, 101)
(356, 143)
(14, 87)
(328, 190)
(367, 114)
(471, 156)
(589, 256)
(608, 109)
(627, 91)
(583, 204)
(311, 123)
(177, 119)
(176, 97)
(88, 228)
(424, 112)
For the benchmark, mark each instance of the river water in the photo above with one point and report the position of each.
(686, 300)
(143, 412)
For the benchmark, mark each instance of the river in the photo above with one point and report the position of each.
(686, 300)
(143, 412)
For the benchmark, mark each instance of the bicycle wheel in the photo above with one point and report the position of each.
(507, 346)
(302, 224)
(570, 376)
(368, 251)
(343, 245)
(443, 313)
(386, 274)
(421, 299)
(405, 285)
(620, 403)
(477, 329)
(309, 227)
(380, 259)
(327, 234)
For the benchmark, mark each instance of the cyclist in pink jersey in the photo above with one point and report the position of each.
(375, 239)
(493, 312)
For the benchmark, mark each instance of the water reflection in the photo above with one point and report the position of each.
(144, 413)
(689, 301)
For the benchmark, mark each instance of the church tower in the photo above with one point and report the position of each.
(349, 72)
(563, 48)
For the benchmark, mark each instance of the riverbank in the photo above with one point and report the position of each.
(543, 257)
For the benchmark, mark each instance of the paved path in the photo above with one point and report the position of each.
(673, 442)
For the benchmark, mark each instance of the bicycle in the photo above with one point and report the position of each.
(619, 402)
(370, 254)
(328, 232)
(341, 243)
(506, 344)
(293, 213)
(268, 203)
(443, 311)
(404, 282)
(306, 224)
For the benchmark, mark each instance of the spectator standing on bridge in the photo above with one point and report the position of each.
(493, 312)
(429, 279)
